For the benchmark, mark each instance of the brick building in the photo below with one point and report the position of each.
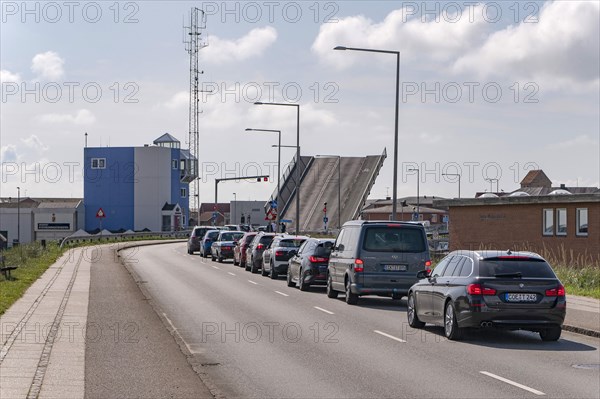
(565, 228)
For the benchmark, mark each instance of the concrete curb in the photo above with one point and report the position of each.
(581, 330)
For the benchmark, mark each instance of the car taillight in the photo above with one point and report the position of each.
(278, 253)
(260, 246)
(317, 259)
(477, 289)
(428, 264)
(358, 265)
(558, 291)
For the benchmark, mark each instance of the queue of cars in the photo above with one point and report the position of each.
(466, 289)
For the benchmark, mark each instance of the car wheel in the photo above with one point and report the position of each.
(235, 262)
(451, 329)
(212, 257)
(247, 266)
(290, 283)
(263, 271)
(272, 273)
(550, 334)
(220, 259)
(411, 313)
(253, 268)
(301, 283)
(189, 252)
(331, 293)
(351, 299)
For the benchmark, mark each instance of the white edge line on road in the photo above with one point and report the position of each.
(323, 310)
(233, 274)
(281, 293)
(216, 267)
(389, 336)
(516, 384)
(252, 282)
(177, 332)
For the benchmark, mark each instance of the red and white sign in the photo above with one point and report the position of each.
(100, 214)
(271, 214)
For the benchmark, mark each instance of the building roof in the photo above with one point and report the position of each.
(28, 202)
(166, 138)
(521, 200)
(536, 178)
(210, 207)
(403, 209)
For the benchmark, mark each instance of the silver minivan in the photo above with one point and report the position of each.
(376, 258)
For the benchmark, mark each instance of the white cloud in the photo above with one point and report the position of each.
(560, 50)
(179, 100)
(33, 143)
(431, 39)
(8, 76)
(82, 117)
(251, 45)
(582, 141)
(8, 153)
(48, 66)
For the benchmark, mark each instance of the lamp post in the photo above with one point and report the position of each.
(234, 208)
(418, 184)
(397, 53)
(278, 228)
(19, 215)
(297, 157)
(454, 174)
(339, 185)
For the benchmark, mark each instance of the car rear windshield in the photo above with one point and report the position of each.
(323, 249)
(515, 268)
(213, 235)
(266, 239)
(291, 243)
(199, 232)
(231, 236)
(394, 239)
(249, 238)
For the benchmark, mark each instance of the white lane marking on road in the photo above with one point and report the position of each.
(388, 335)
(516, 384)
(252, 282)
(281, 293)
(233, 274)
(216, 267)
(323, 310)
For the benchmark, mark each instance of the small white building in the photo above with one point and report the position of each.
(36, 219)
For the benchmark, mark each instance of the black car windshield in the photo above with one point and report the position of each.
(515, 269)
(266, 239)
(291, 243)
(212, 235)
(231, 236)
(324, 249)
(394, 239)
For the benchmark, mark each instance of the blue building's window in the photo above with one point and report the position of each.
(183, 193)
(174, 163)
(98, 163)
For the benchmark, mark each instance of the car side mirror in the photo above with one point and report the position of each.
(423, 274)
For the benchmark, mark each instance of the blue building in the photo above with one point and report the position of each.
(138, 188)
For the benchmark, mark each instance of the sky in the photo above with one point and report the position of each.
(488, 90)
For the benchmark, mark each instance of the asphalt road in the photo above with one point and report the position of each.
(255, 337)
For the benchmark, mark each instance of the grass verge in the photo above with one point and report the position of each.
(583, 281)
(31, 265)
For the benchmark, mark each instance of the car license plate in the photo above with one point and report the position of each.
(521, 297)
(394, 268)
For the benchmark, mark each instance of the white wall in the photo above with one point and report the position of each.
(8, 221)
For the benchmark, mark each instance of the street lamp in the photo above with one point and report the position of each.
(454, 174)
(234, 208)
(339, 185)
(278, 169)
(297, 156)
(19, 215)
(418, 183)
(397, 53)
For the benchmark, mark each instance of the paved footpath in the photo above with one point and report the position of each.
(85, 329)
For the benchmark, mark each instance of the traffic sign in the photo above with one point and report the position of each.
(325, 219)
(100, 214)
(214, 215)
(286, 220)
(445, 219)
(271, 214)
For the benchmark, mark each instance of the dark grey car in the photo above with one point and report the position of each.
(502, 289)
(376, 258)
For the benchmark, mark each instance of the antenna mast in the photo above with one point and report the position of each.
(194, 42)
